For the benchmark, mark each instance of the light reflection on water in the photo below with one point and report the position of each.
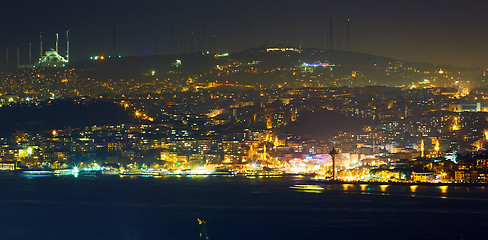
(384, 187)
(307, 188)
(252, 205)
(444, 189)
(347, 186)
(413, 190)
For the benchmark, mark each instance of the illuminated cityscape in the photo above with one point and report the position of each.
(188, 122)
(162, 120)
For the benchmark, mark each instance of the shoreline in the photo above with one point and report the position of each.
(397, 183)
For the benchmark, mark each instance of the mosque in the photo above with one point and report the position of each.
(51, 57)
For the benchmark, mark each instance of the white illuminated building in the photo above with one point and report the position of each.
(51, 58)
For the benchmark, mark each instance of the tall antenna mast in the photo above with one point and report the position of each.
(203, 32)
(326, 40)
(331, 34)
(40, 41)
(114, 31)
(6, 57)
(182, 47)
(348, 36)
(156, 40)
(192, 46)
(321, 43)
(250, 37)
(30, 53)
(339, 41)
(173, 40)
(18, 56)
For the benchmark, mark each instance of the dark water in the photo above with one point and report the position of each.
(235, 208)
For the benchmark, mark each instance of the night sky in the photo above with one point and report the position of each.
(437, 31)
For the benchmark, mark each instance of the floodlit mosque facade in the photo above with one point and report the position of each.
(51, 58)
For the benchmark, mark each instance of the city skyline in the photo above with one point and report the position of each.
(271, 119)
(404, 29)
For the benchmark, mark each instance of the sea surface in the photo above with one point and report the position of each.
(118, 208)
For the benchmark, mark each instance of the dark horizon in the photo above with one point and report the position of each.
(440, 32)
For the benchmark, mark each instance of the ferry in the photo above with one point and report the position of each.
(224, 172)
(110, 172)
(89, 172)
(140, 172)
(66, 172)
(307, 187)
(37, 173)
(265, 172)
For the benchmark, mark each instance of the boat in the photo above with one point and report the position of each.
(66, 172)
(265, 172)
(224, 172)
(307, 187)
(37, 173)
(110, 172)
(89, 172)
(140, 172)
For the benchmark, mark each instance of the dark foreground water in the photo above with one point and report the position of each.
(235, 208)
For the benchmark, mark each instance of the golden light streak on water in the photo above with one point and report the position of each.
(346, 186)
(384, 187)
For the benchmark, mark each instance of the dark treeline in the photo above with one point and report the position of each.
(59, 114)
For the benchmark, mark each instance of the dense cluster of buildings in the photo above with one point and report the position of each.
(257, 69)
(382, 134)
(275, 108)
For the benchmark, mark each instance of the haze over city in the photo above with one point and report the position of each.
(438, 31)
(243, 120)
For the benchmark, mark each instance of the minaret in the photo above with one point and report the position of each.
(333, 153)
(67, 45)
(57, 43)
